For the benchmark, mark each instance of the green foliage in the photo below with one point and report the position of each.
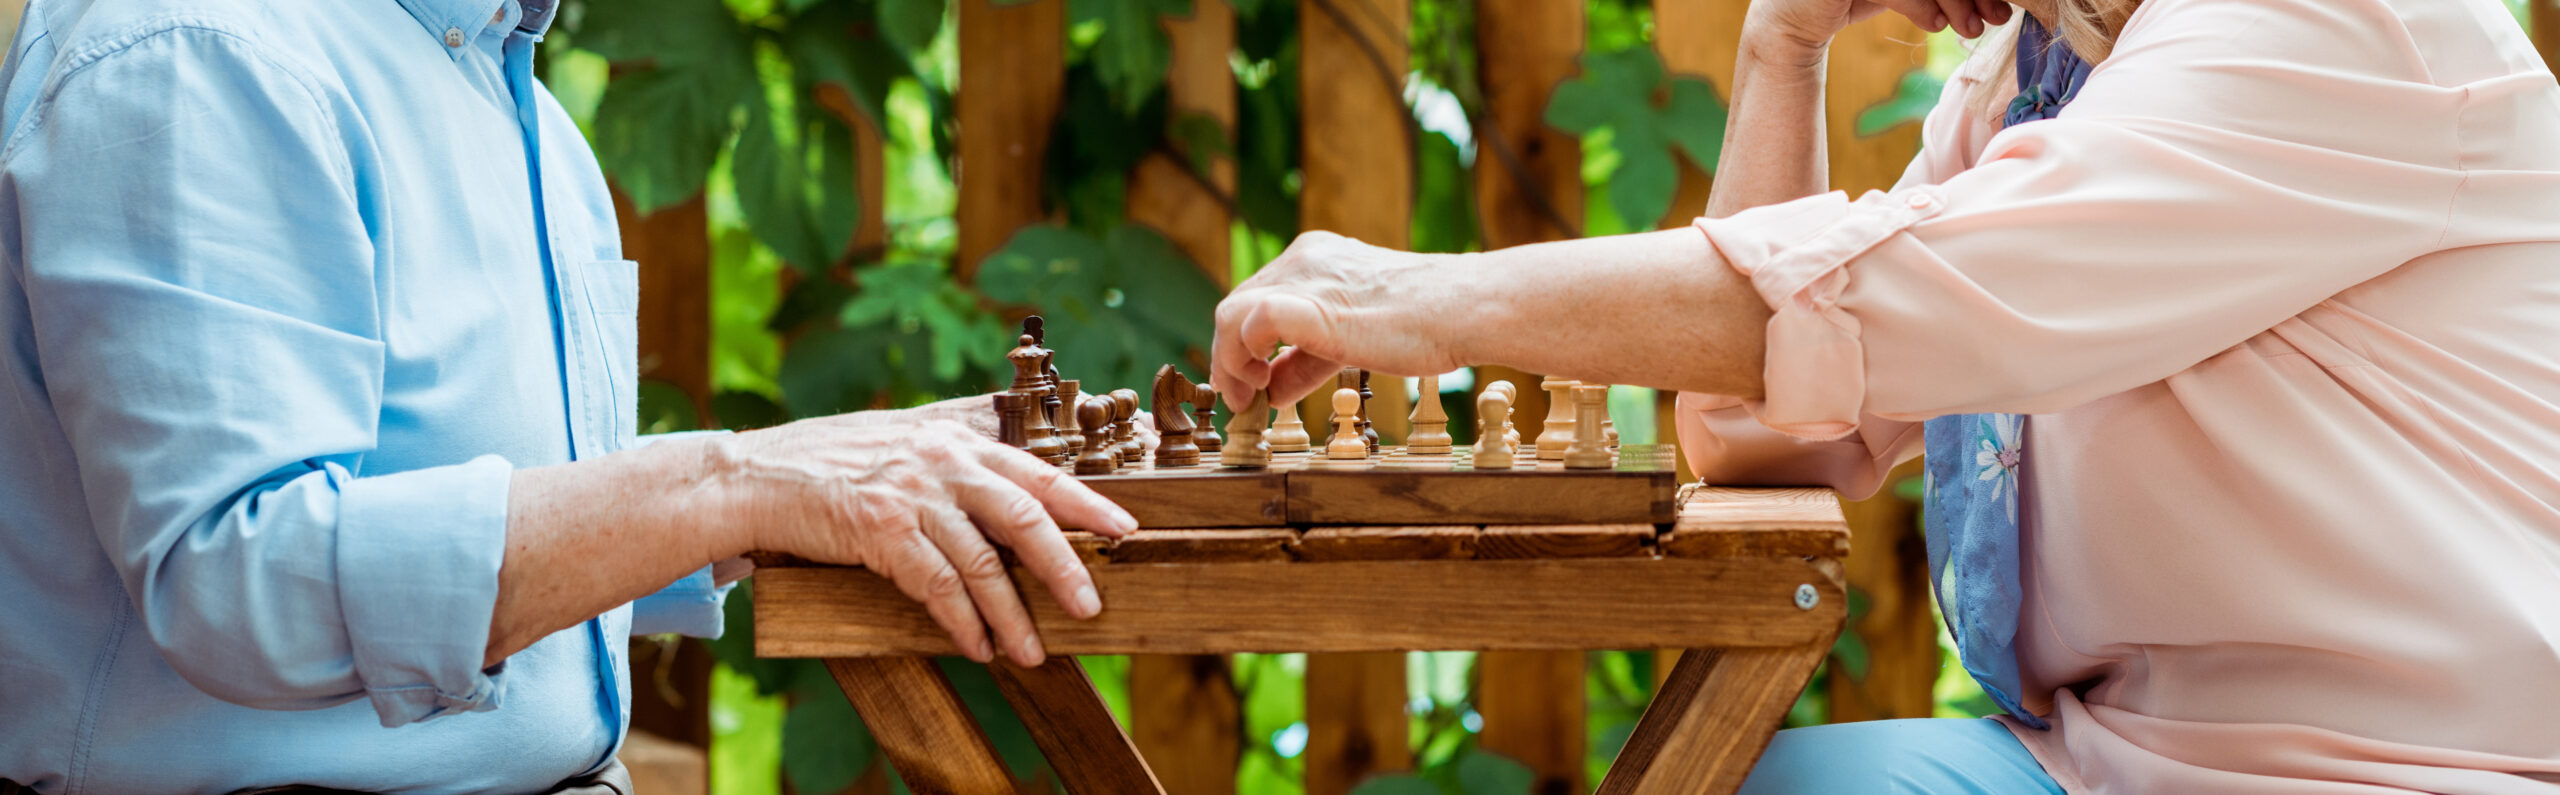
(1911, 101)
(1626, 93)
(1125, 304)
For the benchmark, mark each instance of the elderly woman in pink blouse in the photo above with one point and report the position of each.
(2234, 326)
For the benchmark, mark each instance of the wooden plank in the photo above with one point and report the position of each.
(1528, 175)
(1356, 149)
(1219, 608)
(1012, 77)
(1534, 711)
(921, 725)
(1725, 522)
(1888, 564)
(1073, 728)
(1868, 61)
(2546, 31)
(1702, 39)
(1336, 544)
(1205, 497)
(1355, 719)
(1184, 714)
(1557, 496)
(1192, 208)
(1570, 541)
(1252, 545)
(1710, 721)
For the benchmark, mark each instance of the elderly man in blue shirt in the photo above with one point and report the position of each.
(316, 397)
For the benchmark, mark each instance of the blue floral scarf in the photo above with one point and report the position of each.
(1975, 460)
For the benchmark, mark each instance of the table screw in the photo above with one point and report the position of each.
(1807, 597)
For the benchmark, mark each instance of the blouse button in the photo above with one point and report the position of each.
(1921, 201)
(453, 37)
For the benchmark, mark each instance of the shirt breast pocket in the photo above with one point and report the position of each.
(613, 307)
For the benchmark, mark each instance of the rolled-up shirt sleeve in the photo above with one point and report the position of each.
(2209, 182)
(209, 332)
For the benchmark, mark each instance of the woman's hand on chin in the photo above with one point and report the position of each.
(1799, 31)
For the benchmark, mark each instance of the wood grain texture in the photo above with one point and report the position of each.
(1888, 563)
(1528, 175)
(1320, 497)
(1074, 730)
(1709, 722)
(1012, 76)
(1725, 522)
(921, 725)
(1184, 715)
(1868, 61)
(1198, 497)
(1571, 541)
(1702, 39)
(1355, 144)
(1336, 544)
(1355, 720)
(1218, 608)
(2546, 31)
(1250, 545)
(1193, 209)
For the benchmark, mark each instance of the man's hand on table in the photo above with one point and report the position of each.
(924, 504)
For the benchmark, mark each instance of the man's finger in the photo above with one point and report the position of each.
(1068, 502)
(982, 572)
(1234, 368)
(1015, 519)
(1298, 373)
(924, 573)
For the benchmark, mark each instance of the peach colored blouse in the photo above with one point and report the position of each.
(2282, 290)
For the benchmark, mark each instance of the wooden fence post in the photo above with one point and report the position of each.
(1183, 709)
(1529, 189)
(1358, 161)
(1013, 74)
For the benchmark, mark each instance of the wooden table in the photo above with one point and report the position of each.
(1747, 581)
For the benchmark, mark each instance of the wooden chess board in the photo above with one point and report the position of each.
(1395, 488)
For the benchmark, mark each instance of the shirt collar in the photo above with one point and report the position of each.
(446, 19)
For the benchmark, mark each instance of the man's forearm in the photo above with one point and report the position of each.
(1659, 309)
(1774, 147)
(587, 536)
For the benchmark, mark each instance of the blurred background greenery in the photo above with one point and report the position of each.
(726, 100)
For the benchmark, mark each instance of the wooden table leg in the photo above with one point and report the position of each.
(1183, 714)
(1090, 753)
(1710, 721)
(920, 723)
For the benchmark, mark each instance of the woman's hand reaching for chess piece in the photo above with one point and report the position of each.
(1659, 309)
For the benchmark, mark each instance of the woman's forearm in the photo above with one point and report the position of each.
(1774, 147)
(1658, 309)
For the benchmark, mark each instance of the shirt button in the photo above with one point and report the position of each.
(1921, 202)
(453, 37)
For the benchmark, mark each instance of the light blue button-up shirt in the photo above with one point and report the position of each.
(288, 288)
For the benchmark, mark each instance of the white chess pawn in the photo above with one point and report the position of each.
(1493, 410)
(1288, 433)
(1348, 443)
(1510, 397)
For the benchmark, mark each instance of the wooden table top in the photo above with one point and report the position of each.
(1739, 568)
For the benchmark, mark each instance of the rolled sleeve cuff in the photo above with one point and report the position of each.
(1796, 255)
(691, 606)
(418, 557)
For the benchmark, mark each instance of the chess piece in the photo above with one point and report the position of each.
(1493, 411)
(1124, 427)
(1589, 450)
(1246, 447)
(1288, 433)
(1173, 427)
(1070, 423)
(1558, 436)
(1093, 416)
(1041, 437)
(1510, 399)
(1367, 433)
(1608, 426)
(1204, 405)
(1430, 434)
(1013, 414)
(1347, 443)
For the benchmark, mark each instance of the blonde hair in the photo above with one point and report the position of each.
(2088, 26)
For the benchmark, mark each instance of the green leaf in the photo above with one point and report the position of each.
(747, 411)
(658, 131)
(824, 744)
(665, 408)
(1911, 101)
(1850, 652)
(1444, 208)
(910, 24)
(1133, 52)
(1580, 106)
(1695, 121)
(795, 187)
(1483, 773)
(1396, 785)
(828, 46)
(1641, 189)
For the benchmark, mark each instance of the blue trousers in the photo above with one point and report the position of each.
(1943, 756)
